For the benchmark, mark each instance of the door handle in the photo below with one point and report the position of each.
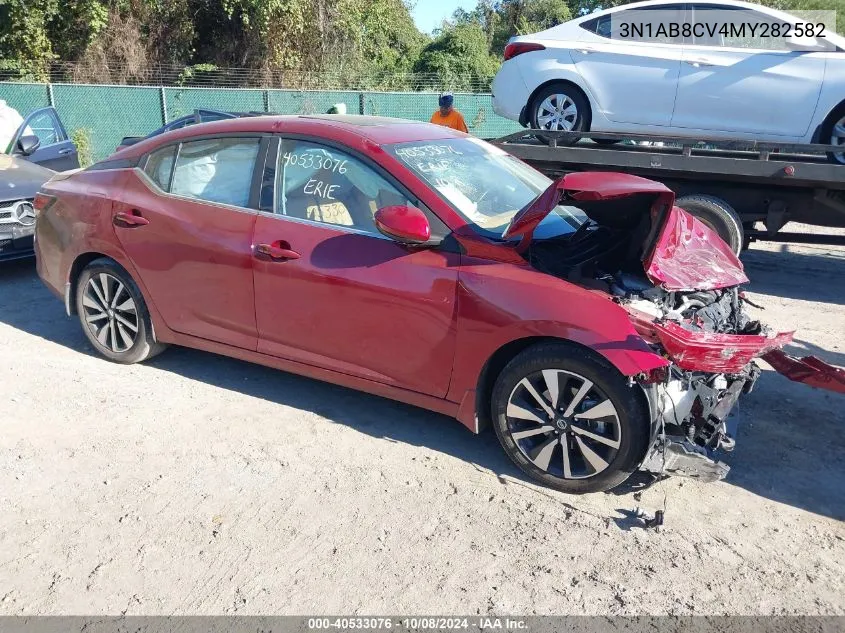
(586, 50)
(699, 63)
(277, 250)
(66, 150)
(129, 220)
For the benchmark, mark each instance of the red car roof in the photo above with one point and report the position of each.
(349, 129)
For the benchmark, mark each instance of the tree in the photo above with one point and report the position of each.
(25, 48)
(460, 57)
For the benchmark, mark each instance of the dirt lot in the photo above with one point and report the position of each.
(196, 484)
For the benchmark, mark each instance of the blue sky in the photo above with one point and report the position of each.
(428, 14)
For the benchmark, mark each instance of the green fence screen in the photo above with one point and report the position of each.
(108, 113)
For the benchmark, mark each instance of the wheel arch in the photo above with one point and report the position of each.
(77, 266)
(81, 260)
(838, 110)
(480, 416)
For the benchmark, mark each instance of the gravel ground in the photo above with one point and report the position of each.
(196, 484)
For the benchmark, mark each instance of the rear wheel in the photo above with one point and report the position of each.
(719, 216)
(569, 420)
(113, 314)
(560, 107)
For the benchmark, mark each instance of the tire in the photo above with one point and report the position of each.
(536, 445)
(827, 135)
(113, 314)
(573, 99)
(719, 216)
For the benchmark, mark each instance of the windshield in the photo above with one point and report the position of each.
(484, 184)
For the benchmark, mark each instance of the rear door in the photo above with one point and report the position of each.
(188, 231)
(56, 151)
(735, 83)
(633, 80)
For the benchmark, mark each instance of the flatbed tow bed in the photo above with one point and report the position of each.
(731, 185)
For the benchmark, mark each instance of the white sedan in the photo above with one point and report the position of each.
(595, 73)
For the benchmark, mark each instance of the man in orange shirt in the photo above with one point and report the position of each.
(447, 115)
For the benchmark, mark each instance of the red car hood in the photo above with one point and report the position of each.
(686, 254)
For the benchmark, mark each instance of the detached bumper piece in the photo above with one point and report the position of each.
(809, 370)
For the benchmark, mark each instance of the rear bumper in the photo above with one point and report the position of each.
(509, 91)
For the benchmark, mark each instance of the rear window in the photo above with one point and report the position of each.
(159, 166)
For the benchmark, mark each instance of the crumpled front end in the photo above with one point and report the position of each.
(679, 283)
(712, 345)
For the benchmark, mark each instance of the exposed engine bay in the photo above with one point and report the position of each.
(693, 399)
(680, 285)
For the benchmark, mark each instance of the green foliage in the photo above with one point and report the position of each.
(81, 137)
(328, 43)
(460, 57)
(198, 74)
(75, 26)
(23, 35)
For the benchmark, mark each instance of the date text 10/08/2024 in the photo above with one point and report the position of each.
(474, 623)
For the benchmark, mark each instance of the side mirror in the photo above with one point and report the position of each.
(28, 144)
(404, 224)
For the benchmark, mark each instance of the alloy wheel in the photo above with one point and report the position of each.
(110, 312)
(838, 138)
(557, 112)
(564, 424)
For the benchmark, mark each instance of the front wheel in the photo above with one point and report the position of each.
(113, 313)
(569, 420)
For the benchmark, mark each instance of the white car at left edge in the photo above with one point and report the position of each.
(576, 77)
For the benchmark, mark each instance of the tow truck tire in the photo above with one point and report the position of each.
(719, 216)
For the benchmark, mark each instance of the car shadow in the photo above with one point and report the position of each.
(786, 271)
(791, 449)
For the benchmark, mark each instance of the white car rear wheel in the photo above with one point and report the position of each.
(560, 107)
(837, 137)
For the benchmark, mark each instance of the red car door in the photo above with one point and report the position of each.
(331, 291)
(188, 230)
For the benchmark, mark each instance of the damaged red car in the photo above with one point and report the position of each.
(596, 327)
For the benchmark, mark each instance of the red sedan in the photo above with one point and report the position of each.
(597, 327)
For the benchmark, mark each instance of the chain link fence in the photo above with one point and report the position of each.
(107, 113)
(211, 76)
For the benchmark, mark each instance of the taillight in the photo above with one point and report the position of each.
(518, 48)
(42, 202)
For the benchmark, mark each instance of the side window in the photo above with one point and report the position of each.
(159, 166)
(730, 27)
(44, 126)
(600, 26)
(217, 170)
(322, 184)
